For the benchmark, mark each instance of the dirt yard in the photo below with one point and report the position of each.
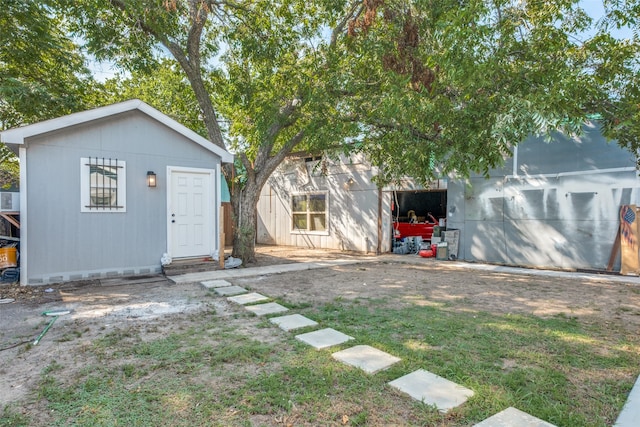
(99, 307)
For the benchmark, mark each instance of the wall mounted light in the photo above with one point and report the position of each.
(151, 179)
(348, 183)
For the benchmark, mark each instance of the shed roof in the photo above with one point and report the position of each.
(17, 136)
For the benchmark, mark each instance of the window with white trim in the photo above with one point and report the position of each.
(309, 212)
(102, 185)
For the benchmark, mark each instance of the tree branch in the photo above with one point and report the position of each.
(251, 174)
(415, 132)
(189, 61)
(358, 6)
(272, 163)
(283, 120)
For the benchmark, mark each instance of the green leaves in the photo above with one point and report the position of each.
(498, 72)
(42, 72)
(425, 88)
(164, 87)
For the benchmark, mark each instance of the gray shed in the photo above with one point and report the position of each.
(108, 191)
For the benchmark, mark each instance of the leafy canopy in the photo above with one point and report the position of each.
(42, 72)
(424, 87)
(456, 84)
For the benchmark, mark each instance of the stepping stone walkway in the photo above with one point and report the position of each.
(513, 417)
(248, 298)
(367, 358)
(421, 385)
(323, 338)
(432, 389)
(268, 308)
(293, 321)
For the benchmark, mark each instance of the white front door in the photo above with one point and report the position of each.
(191, 212)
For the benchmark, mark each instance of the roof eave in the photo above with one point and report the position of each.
(17, 136)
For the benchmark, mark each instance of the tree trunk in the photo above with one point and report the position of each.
(245, 201)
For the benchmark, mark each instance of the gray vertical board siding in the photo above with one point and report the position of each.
(274, 213)
(562, 244)
(274, 216)
(355, 219)
(387, 223)
(64, 241)
(525, 203)
(560, 210)
(552, 226)
(266, 222)
(456, 213)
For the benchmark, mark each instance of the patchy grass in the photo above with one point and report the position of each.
(212, 374)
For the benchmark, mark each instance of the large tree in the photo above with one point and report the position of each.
(615, 65)
(260, 60)
(416, 84)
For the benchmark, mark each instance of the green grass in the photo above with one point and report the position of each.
(11, 418)
(558, 369)
(550, 359)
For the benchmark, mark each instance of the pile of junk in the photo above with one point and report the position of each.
(429, 239)
(434, 247)
(9, 247)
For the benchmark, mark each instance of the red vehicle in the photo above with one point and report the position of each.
(422, 229)
(407, 229)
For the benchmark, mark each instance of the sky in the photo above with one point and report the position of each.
(595, 9)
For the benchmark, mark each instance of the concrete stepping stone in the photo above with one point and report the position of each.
(292, 321)
(230, 290)
(513, 417)
(367, 358)
(248, 298)
(212, 284)
(432, 389)
(630, 415)
(323, 338)
(268, 308)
